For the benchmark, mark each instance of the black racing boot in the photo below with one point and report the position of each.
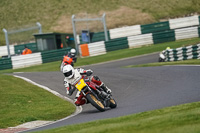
(105, 88)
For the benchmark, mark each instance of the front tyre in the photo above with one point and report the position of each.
(113, 103)
(95, 102)
(161, 60)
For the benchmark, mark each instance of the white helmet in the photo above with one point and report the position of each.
(73, 51)
(68, 71)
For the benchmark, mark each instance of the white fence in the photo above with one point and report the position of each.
(4, 51)
(139, 40)
(186, 33)
(125, 31)
(26, 60)
(184, 22)
(97, 48)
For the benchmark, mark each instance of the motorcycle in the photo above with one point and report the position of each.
(161, 57)
(95, 95)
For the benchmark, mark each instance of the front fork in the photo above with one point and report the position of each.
(100, 95)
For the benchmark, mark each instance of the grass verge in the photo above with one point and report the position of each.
(177, 119)
(22, 102)
(184, 62)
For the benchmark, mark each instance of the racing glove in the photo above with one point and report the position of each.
(89, 72)
(70, 90)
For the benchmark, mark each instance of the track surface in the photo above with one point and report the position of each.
(134, 89)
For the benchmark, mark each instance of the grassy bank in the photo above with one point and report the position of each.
(56, 16)
(114, 55)
(22, 102)
(178, 119)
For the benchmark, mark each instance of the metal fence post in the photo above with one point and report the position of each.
(7, 41)
(102, 19)
(40, 27)
(75, 35)
(104, 25)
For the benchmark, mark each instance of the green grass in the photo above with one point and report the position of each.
(57, 13)
(114, 55)
(184, 62)
(22, 102)
(177, 119)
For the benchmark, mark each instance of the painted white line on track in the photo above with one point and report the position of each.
(78, 108)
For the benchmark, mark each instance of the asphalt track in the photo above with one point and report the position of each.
(135, 89)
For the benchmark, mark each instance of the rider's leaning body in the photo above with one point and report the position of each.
(69, 58)
(72, 76)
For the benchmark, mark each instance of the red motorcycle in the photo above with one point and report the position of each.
(95, 95)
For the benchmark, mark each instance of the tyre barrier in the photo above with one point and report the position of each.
(20, 61)
(183, 53)
(139, 35)
(170, 25)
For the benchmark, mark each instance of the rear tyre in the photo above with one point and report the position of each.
(96, 103)
(113, 103)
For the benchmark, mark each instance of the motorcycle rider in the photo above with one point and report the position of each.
(69, 58)
(72, 54)
(72, 76)
(162, 55)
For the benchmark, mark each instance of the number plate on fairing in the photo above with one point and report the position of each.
(80, 85)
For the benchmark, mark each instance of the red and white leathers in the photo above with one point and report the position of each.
(79, 73)
(70, 58)
(69, 83)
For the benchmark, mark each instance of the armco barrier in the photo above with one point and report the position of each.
(184, 22)
(17, 49)
(99, 36)
(54, 55)
(116, 44)
(165, 36)
(5, 63)
(97, 48)
(183, 53)
(84, 50)
(4, 51)
(20, 48)
(96, 37)
(155, 27)
(184, 33)
(144, 39)
(172, 24)
(125, 31)
(139, 40)
(26, 60)
(20, 61)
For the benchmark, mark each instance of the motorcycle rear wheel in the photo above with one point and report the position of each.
(113, 103)
(96, 103)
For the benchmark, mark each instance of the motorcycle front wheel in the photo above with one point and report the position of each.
(95, 102)
(113, 103)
